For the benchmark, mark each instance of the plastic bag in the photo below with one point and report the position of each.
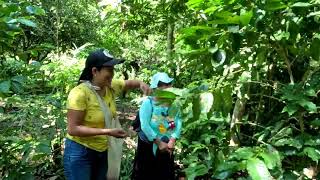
(114, 153)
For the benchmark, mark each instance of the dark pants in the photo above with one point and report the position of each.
(147, 166)
(82, 163)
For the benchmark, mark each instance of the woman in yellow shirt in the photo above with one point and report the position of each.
(85, 155)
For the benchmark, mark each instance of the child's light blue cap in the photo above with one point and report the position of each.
(160, 76)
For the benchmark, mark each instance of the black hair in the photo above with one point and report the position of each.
(87, 75)
(160, 83)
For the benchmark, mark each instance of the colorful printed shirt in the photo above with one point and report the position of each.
(156, 122)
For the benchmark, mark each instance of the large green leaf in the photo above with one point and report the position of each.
(164, 94)
(301, 4)
(35, 10)
(313, 153)
(196, 170)
(5, 87)
(290, 109)
(24, 21)
(226, 169)
(271, 159)
(243, 153)
(289, 142)
(27, 22)
(44, 147)
(245, 17)
(310, 106)
(258, 170)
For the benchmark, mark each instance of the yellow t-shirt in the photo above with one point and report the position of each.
(83, 99)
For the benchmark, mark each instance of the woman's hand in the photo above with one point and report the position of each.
(116, 132)
(145, 88)
(134, 84)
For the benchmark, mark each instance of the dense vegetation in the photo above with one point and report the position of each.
(249, 72)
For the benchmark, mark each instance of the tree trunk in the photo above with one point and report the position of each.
(238, 112)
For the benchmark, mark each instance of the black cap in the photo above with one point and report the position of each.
(101, 57)
(98, 58)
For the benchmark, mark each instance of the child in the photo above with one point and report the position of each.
(156, 140)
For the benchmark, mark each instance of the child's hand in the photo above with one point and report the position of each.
(171, 144)
(163, 146)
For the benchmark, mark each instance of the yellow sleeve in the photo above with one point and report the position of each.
(77, 99)
(118, 86)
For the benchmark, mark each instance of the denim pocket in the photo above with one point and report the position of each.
(75, 150)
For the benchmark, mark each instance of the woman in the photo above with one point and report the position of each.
(154, 157)
(85, 155)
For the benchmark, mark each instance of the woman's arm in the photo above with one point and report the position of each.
(135, 84)
(75, 127)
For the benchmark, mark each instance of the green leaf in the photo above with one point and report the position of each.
(210, 10)
(271, 159)
(313, 153)
(311, 92)
(34, 53)
(290, 109)
(35, 10)
(5, 87)
(310, 106)
(243, 153)
(194, 3)
(18, 79)
(290, 142)
(23, 21)
(245, 17)
(196, 170)
(17, 87)
(44, 147)
(301, 4)
(225, 169)
(274, 5)
(257, 169)
(315, 122)
(27, 22)
(164, 94)
(176, 91)
(313, 142)
(314, 14)
(27, 176)
(227, 165)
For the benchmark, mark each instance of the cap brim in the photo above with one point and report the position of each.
(113, 62)
(168, 80)
(155, 83)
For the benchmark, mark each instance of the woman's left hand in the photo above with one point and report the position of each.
(145, 88)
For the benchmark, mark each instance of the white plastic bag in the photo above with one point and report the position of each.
(114, 153)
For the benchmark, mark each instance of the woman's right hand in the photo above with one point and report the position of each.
(117, 132)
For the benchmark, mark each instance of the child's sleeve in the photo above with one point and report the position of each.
(145, 114)
(177, 131)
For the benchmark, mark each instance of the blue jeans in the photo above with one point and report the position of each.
(82, 163)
